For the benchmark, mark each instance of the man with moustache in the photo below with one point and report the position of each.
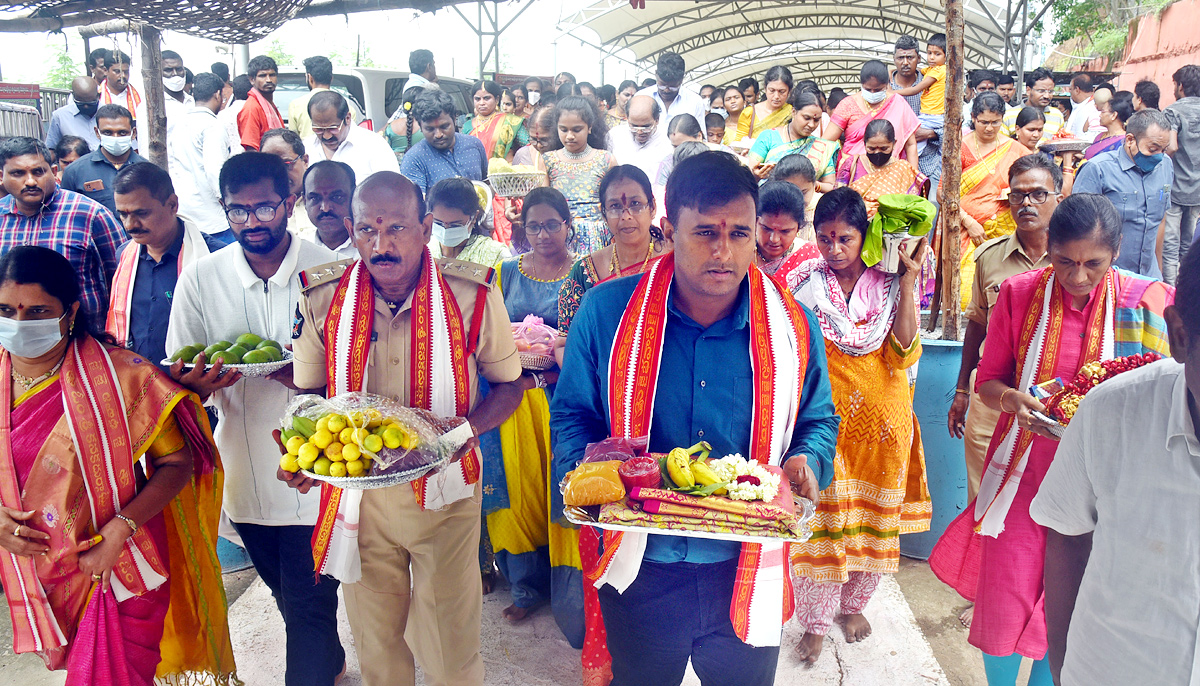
(396, 300)
(335, 137)
(253, 287)
(328, 187)
(1035, 189)
(116, 89)
(640, 141)
(161, 244)
(443, 152)
(287, 146)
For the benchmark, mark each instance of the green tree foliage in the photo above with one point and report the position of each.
(277, 52)
(62, 70)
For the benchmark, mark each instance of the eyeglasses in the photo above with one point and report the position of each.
(1016, 198)
(552, 226)
(667, 89)
(240, 215)
(288, 163)
(1043, 91)
(637, 128)
(617, 211)
(319, 130)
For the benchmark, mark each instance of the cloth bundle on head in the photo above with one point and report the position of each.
(898, 213)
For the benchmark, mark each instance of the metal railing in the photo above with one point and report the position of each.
(19, 120)
(52, 99)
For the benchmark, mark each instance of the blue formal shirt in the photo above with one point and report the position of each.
(705, 392)
(425, 165)
(67, 121)
(1141, 198)
(93, 174)
(150, 303)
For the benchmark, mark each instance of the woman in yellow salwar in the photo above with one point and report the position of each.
(538, 556)
(772, 112)
(986, 157)
(879, 491)
(110, 575)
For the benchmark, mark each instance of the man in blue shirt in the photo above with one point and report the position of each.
(78, 116)
(678, 607)
(444, 153)
(161, 243)
(1137, 179)
(93, 174)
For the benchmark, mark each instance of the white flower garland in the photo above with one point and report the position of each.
(730, 467)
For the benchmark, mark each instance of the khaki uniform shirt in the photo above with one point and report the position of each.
(388, 372)
(995, 261)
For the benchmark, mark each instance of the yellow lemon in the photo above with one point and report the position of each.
(336, 423)
(351, 453)
(336, 451)
(309, 453)
(346, 435)
(322, 466)
(322, 438)
(360, 435)
(288, 464)
(373, 443)
(294, 443)
(323, 423)
(357, 418)
(355, 468)
(337, 469)
(392, 438)
(374, 418)
(305, 464)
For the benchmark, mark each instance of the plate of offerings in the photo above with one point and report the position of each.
(1062, 400)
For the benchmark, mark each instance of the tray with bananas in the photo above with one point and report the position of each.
(687, 493)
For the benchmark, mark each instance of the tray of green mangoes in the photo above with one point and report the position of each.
(250, 354)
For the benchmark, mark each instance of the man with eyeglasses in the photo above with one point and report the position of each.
(254, 287)
(1137, 178)
(287, 146)
(668, 90)
(640, 141)
(335, 137)
(1035, 189)
(1039, 85)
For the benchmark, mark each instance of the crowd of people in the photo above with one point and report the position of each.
(710, 260)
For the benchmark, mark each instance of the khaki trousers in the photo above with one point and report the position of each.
(435, 554)
(977, 434)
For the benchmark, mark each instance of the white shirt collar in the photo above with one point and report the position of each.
(1179, 421)
(280, 278)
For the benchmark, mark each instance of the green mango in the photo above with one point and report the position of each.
(216, 348)
(248, 341)
(256, 357)
(226, 357)
(186, 353)
(268, 343)
(237, 351)
(274, 354)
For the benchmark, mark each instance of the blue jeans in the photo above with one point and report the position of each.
(675, 611)
(282, 556)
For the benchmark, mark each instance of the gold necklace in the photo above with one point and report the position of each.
(616, 262)
(28, 383)
(558, 275)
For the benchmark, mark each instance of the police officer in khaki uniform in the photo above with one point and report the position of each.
(1036, 183)
(401, 545)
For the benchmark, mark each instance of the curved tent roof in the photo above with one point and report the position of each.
(826, 40)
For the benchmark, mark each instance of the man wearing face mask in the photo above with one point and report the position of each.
(1137, 178)
(78, 116)
(639, 141)
(327, 189)
(93, 174)
(176, 101)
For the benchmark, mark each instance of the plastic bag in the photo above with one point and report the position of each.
(387, 437)
(615, 449)
(532, 335)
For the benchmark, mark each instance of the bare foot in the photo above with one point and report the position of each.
(967, 615)
(809, 648)
(515, 614)
(857, 628)
(489, 582)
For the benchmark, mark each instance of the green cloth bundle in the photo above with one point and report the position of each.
(898, 213)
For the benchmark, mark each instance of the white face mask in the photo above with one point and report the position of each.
(451, 236)
(874, 98)
(174, 83)
(30, 337)
(533, 97)
(116, 145)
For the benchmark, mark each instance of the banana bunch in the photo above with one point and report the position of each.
(693, 476)
(342, 445)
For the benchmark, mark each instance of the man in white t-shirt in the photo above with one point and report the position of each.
(1121, 501)
(640, 141)
(1084, 121)
(669, 92)
(337, 138)
(254, 287)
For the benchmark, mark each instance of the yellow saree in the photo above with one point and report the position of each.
(984, 190)
(751, 125)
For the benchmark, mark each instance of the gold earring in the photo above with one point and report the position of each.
(71, 328)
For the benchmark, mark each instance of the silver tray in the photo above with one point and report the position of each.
(579, 516)
(1065, 145)
(366, 483)
(1057, 428)
(262, 369)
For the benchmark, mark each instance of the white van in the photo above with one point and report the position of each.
(374, 94)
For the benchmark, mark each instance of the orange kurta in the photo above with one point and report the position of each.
(879, 490)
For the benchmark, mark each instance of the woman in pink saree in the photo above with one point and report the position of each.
(873, 102)
(110, 571)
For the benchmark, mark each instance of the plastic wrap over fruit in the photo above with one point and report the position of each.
(533, 336)
(615, 449)
(362, 434)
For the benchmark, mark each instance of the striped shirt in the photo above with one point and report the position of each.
(78, 228)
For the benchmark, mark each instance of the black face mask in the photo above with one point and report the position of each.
(88, 109)
(879, 158)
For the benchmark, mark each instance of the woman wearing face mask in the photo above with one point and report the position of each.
(577, 168)
(734, 103)
(874, 102)
(1046, 323)
(92, 577)
(986, 157)
(537, 556)
(797, 137)
(457, 233)
(877, 172)
(500, 133)
(879, 492)
(773, 111)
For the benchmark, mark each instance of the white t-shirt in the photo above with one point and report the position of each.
(366, 153)
(1084, 121)
(1128, 471)
(218, 298)
(686, 102)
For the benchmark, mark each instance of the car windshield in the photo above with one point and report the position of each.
(293, 84)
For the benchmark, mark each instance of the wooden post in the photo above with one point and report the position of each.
(952, 172)
(156, 109)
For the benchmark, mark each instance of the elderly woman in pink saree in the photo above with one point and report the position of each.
(873, 102)
(111, 573)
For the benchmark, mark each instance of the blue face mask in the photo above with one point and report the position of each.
(1146, 163)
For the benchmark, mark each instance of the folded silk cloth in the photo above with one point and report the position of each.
(898, 213)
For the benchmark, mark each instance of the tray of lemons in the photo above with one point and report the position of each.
(249, 353)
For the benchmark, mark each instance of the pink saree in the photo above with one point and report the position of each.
(853, 114)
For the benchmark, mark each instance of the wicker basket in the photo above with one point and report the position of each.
(537, 363)
(516, 184)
